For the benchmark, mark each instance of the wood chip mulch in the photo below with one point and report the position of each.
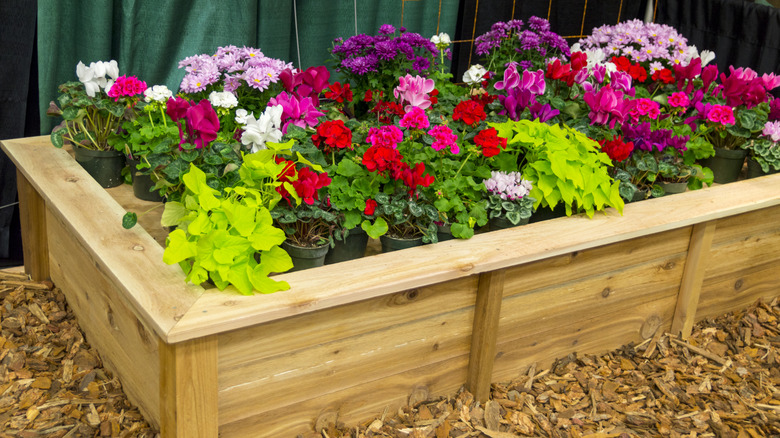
(722, 382)
(52, 383)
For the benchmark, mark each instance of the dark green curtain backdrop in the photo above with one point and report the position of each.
(149, 37)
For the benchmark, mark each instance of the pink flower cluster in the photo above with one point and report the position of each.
(679, 99)
(386, 136)
(415, 119)
(645, 107)
(772, 130)
(719, 114)
(126, 86)
(443, 137)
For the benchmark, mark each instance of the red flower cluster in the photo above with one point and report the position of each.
(306, 183)
(331, 135)
(413, 177)
(339, 93)
(490, 142)
(637, 72)
(470, 112)
(370, 207)
(664, 75)
(617, 149)
(556, 70)
(386, 111)
(381, 159)
(484, 98)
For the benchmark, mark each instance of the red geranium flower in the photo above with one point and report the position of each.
(470, 111)
(617, 149)
(370, 207)
(557, 70)
(386, 111)
(339, 93)
(380, 159)
(332, 134)
(637, 72)
(664, 75)
(621, 62)
(413, 177)
(490, 142)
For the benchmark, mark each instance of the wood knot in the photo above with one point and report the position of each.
(72, 179)
(412, 294)
(230, 303)
(669, 266)
(110, 318)
(606, 292)
(138, 248)
(738, 284)
(467, 267)
(650, 326)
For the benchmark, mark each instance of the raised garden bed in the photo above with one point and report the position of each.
(354, 338)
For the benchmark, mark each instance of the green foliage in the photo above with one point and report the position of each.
(564, 166)
(514, 211)
(767, 153)
(90, 122)
(228, 236)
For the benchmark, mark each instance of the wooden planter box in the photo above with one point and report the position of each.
(352, 339)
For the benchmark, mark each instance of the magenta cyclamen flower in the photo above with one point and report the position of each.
(444, 138)
(413, 90)
(126, 86)
(202, 123)
(385, 136)
(415, 119)
(771, 81)
(308, 83)
(511, 78)
(607, 106)
(299, 111)
(719, 114)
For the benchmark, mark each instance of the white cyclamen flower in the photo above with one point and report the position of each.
(706, 56)
(94, 76)
(223, 99)
(266, 128)
(474, 74)
(157, 93)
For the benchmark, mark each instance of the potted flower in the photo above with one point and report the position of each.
(305, 218)
(509, 203)
(764, 152)
(93, 110)
(149, 131)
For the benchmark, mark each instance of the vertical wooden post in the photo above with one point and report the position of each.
(188, 389)
(32, 216)
(485, 333)
(693, 276)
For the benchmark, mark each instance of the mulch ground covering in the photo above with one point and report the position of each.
(721, 382)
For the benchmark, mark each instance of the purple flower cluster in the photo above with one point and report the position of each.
(641, 42)
(233, 66)
(362, 54)
(532, 44)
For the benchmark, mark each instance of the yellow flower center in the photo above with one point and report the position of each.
(256, 80)
(198, 84)
(251, 55)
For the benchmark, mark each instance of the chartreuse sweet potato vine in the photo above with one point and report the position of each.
(219, 235)
(564, 165)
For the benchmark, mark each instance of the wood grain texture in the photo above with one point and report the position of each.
(251, 384)
(690, 287)
(188, 389)
(353, 404)
(126, 345)
(487, 312)
(131, 258)
(729, 292)
(32, 213)
(739, 226)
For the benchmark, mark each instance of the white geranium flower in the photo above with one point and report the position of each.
(266, 128)
(241, 116)
(157, 93)
(441, 40)
(473, 76)
(223, 99)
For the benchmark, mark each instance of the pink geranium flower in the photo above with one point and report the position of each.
(415, 119)
(720, 114)
(444, 138)
(679, 100)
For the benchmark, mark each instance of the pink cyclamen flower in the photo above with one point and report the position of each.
(533, 81)
(607, 107)
(202, 123)
(444, 138)
(772, 130)
(771, 81)
(126, 86)
(679, 100)
(385, 136)
(413, 90)
(720, 114)
(511, 78)
(415, 119)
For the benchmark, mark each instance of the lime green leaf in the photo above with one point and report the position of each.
(172, 214)
(275, 260)
(178, 247)
(378, 228)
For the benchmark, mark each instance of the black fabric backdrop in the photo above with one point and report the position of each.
(741, 33)
(18, 110)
